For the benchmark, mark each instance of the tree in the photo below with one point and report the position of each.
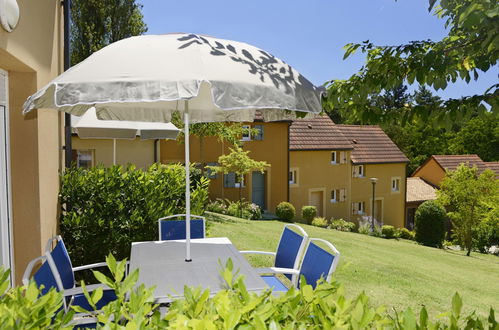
(467, 195)
(238, 162)
(471, 47)
(97, 23)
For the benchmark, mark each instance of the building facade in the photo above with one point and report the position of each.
(30, 153)
(331, 167)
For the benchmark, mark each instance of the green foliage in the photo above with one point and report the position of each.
(388, 231)
(471, 47)
(320, 222)
(405, 233)
(365, 229)
(23, 307)
(429, 224)
(308, 213)
(470, 198)
(488, 231)
(285, 211)
(342, 225)
(97, 23)
(105, 209)
(238, 209)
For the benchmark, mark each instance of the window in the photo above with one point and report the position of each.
(334, 157)
(230, 181)
(210, 174)
(396, 184)
(358, 171)
(84, 158)
(334, 195)
(343, 157)
(246, 133)
(358, 208)
(259, 135)
(293, 176)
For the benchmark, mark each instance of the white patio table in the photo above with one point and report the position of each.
(162, 264)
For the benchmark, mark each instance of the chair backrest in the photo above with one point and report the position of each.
(290, 249)
(175, 229)
(58, 258)
(318, 262)
(43, 276)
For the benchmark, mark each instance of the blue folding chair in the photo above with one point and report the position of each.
(58, 272)
(289, 250)
(316, 264)
(175, 229)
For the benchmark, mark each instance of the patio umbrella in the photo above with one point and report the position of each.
(148, 78)
(89, 126)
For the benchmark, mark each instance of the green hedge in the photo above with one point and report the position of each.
(429, 224)
(285, 211)
(104, 210)
(308, 213)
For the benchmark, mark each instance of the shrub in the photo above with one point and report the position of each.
(320, 222)
(429, 224)
(255, 211)
(365, 229)
(377, 232)
(217, 206)
(285, 211)
(308, 213)
(116, 206)
(388, 231)
(405, 233)
(342, 225)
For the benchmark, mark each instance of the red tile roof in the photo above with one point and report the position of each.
(319, 133)
(494, 166)
(451, 162)
(371, 145)
(418, 190)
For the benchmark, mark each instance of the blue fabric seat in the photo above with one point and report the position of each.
(170, 229)
(316, 264)
(289, 250)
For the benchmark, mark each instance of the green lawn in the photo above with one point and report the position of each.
(394, 273)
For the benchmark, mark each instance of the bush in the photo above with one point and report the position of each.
(308, 213)
(285, 211)
(232, 308)
(342, 225)
(405, 233)
(365, 229)
(320, 222)
(104, 210)
(250, 211)
(217, 206)
(429, 224)
(388, 231)
(255, 211)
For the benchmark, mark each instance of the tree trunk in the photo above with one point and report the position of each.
(201, 154)
(241, 199)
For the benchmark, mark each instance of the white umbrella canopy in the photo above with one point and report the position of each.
(89, 126)
(148, 78)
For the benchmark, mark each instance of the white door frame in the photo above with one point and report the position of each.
(6, 245)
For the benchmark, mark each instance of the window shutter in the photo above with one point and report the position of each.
(343, 157)
(343, 195)
(230, 180)
(3, 89)
(259, 135)
(354, 208)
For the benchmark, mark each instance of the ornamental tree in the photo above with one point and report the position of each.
(470, 48)
(238, 162)
(467, 196)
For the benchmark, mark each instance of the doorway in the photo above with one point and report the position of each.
(378, 210)
(5, 206)
(316, 198)
(258, 188)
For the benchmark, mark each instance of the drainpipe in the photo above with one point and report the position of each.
(67, 117)
(156, 150)
(287, 174)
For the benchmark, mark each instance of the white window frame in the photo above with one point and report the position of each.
(6, 246)
(246, 136)
(358, 208)
(358, 171)
(334, 196)
(293, 181)
(395, 184)
(92, 157)
(334, 157)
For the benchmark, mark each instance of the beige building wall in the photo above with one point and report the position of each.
(31, 55)
(316, 175)
(273, 149)
(431, 172)
(138, 152)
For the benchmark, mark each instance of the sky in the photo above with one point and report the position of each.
(309, 34)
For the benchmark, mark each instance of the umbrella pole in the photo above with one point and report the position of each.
(114, 151)
(187, 186)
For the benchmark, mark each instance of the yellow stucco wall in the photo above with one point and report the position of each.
(31, 55)
(138, 152)
(316, 173)
(431, 172)
(272, 149)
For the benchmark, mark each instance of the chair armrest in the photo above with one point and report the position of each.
(96, 265)
(79, 289)
(29, 269)
(278, 270)
(258, 252)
